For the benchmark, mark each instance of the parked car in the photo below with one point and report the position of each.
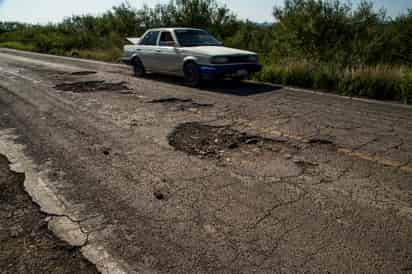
(192, 53)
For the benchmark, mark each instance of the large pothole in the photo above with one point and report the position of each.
(92, 86)
(212, 141)
(242, 153)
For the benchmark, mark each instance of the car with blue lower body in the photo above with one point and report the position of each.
(191, 53)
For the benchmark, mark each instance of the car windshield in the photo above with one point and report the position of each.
(194, 38)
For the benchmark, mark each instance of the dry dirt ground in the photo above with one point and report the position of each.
(228, 178)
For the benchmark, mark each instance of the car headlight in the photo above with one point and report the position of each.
(220, 60)
(253, 58)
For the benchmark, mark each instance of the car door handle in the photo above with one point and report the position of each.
(158, 50)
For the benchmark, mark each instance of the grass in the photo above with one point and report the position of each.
(107, 55)
(17, 45)
(375, 82)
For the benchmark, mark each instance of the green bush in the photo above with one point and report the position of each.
(381, 83)
(109, 55)
(378, 82)
(406, 87)
(271, 73)
(301, 76)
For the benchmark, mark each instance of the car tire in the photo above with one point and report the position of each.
(192, 74)
(138, 68)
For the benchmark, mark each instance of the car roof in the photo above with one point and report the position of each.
(172, 29)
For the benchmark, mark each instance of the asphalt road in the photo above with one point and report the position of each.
(229, 178)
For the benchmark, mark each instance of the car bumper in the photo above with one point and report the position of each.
(218, 71)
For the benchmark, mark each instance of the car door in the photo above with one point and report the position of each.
(169, 57)
(147, 49)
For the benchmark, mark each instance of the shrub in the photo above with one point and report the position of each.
(271, 73)
(298, 75)
(371, 82)
(406, 87)
(108, 55)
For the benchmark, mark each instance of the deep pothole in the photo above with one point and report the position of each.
(212, 141)
(92, 86)
(180, 104)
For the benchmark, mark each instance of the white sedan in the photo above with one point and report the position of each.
(192, 53)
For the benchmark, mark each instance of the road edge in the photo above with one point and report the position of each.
(59, 220)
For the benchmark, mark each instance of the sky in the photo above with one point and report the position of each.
(45, 11)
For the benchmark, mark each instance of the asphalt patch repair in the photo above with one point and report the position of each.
(212, 141)
(27, 246)
(92, 86)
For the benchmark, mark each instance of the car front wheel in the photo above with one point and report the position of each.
(192, 74)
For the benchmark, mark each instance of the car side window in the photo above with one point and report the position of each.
(166, 39)
(150, 38)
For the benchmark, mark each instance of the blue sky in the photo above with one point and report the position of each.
(44, 11)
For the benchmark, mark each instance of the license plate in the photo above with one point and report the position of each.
(241, 72)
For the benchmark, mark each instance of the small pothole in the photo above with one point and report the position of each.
(180, 104)
(92, 86)
(170, 100)
(106, 151)
(83, 73)
(159, 195)
(321, 141)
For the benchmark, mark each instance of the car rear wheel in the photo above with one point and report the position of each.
(192, 74)
(138, 68)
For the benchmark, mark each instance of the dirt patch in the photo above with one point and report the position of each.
(27, 246)
(212, 141)
(179, 104)
(92, 86)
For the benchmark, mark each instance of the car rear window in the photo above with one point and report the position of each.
(150, 39)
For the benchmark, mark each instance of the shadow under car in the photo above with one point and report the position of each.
(226, 86)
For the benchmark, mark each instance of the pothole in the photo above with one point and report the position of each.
(159, 195)
(179, 104)
(83, 73)
(321, 141)
(212, 141)
(170, 100)
(92, 86)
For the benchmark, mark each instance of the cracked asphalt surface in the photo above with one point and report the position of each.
(228, 178)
